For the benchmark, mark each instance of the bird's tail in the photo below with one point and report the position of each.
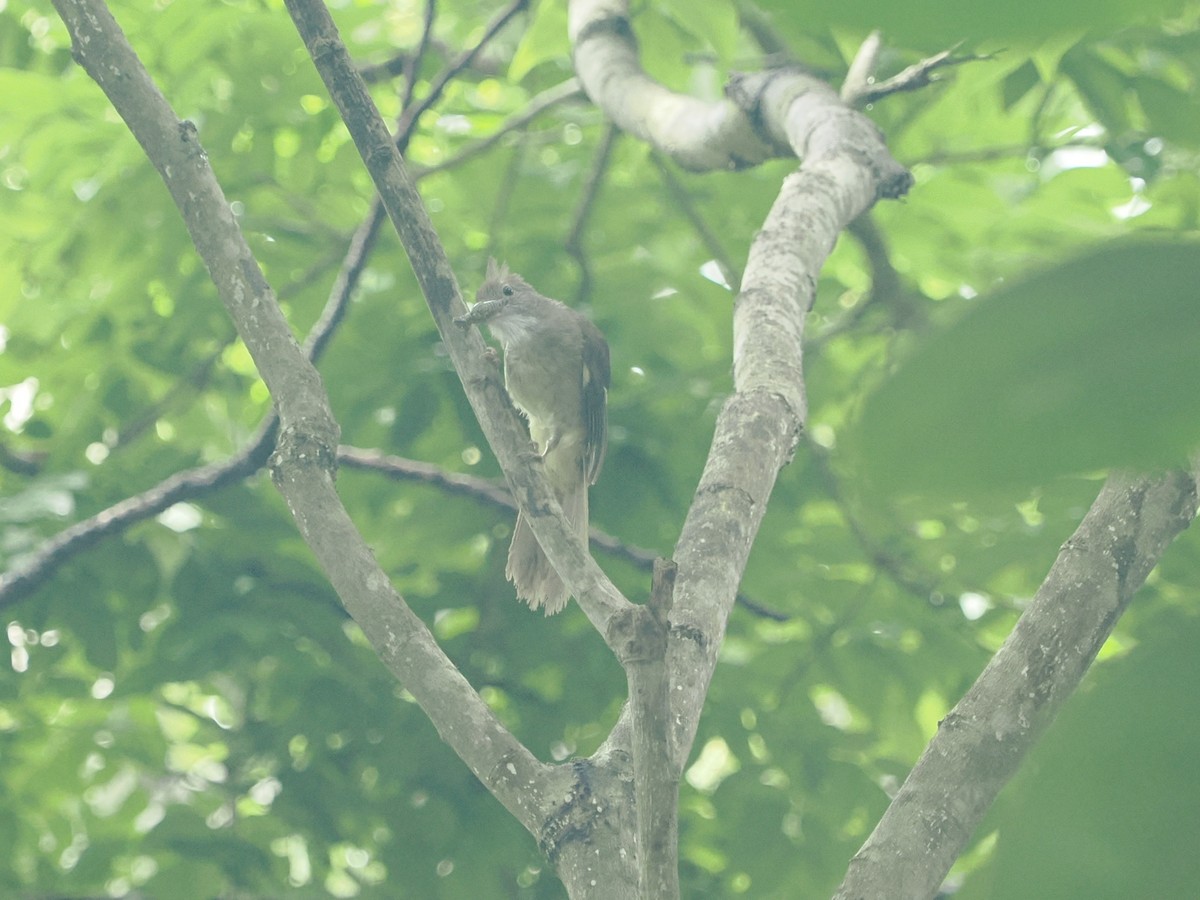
(528, 568)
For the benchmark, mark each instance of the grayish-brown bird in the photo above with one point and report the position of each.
(556, 369)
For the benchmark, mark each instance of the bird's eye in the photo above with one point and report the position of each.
(507, 291)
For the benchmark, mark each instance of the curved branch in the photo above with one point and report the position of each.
(764, 115)
(697, 134)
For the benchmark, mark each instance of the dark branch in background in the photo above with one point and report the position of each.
(765, 33)
(568, 90)
(193, 381)
(987, 154)
(895, 567)
(583, 209)
(411, 114)
(21, 462)
(412, 67)
(887, 290)
(497, 495)
(504, 195)
(683, 202)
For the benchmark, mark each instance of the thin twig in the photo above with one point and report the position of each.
(413, 113)
(915, 77)
(568, 90)
(684, 203)
(412, 66)
(496, 494)
(583, 209)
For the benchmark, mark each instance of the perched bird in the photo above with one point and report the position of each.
(556, 370)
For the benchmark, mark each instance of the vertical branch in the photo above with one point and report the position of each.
(641, 646)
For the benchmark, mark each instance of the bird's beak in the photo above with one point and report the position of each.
(480, 312)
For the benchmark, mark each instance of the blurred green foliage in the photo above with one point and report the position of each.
(189, 713)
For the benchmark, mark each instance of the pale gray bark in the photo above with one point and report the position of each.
(304, 458)
(983, 740)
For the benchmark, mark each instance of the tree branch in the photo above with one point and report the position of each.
(983, 740)
(845, 169)
(583, 209)
(303, 461)
(597, 596)
(864, 89)
(708, 237)
(642, 651)
(697, 134)
(862, 68)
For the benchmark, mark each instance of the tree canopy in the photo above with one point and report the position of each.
(189, 711)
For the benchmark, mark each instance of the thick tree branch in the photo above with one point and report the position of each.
(697, 134)
(758, 428)
(642, 652)
(983, 740)
(303, 461)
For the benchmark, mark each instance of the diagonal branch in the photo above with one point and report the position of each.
(303, 461)
(983, 740)
(597, 596)
(860, 86)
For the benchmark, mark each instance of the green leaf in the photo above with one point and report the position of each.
(1089, 365)
(1020, 82)
(544, 39)
(714, 22)
(1104, 88)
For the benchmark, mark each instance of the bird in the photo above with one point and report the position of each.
(557, 372)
